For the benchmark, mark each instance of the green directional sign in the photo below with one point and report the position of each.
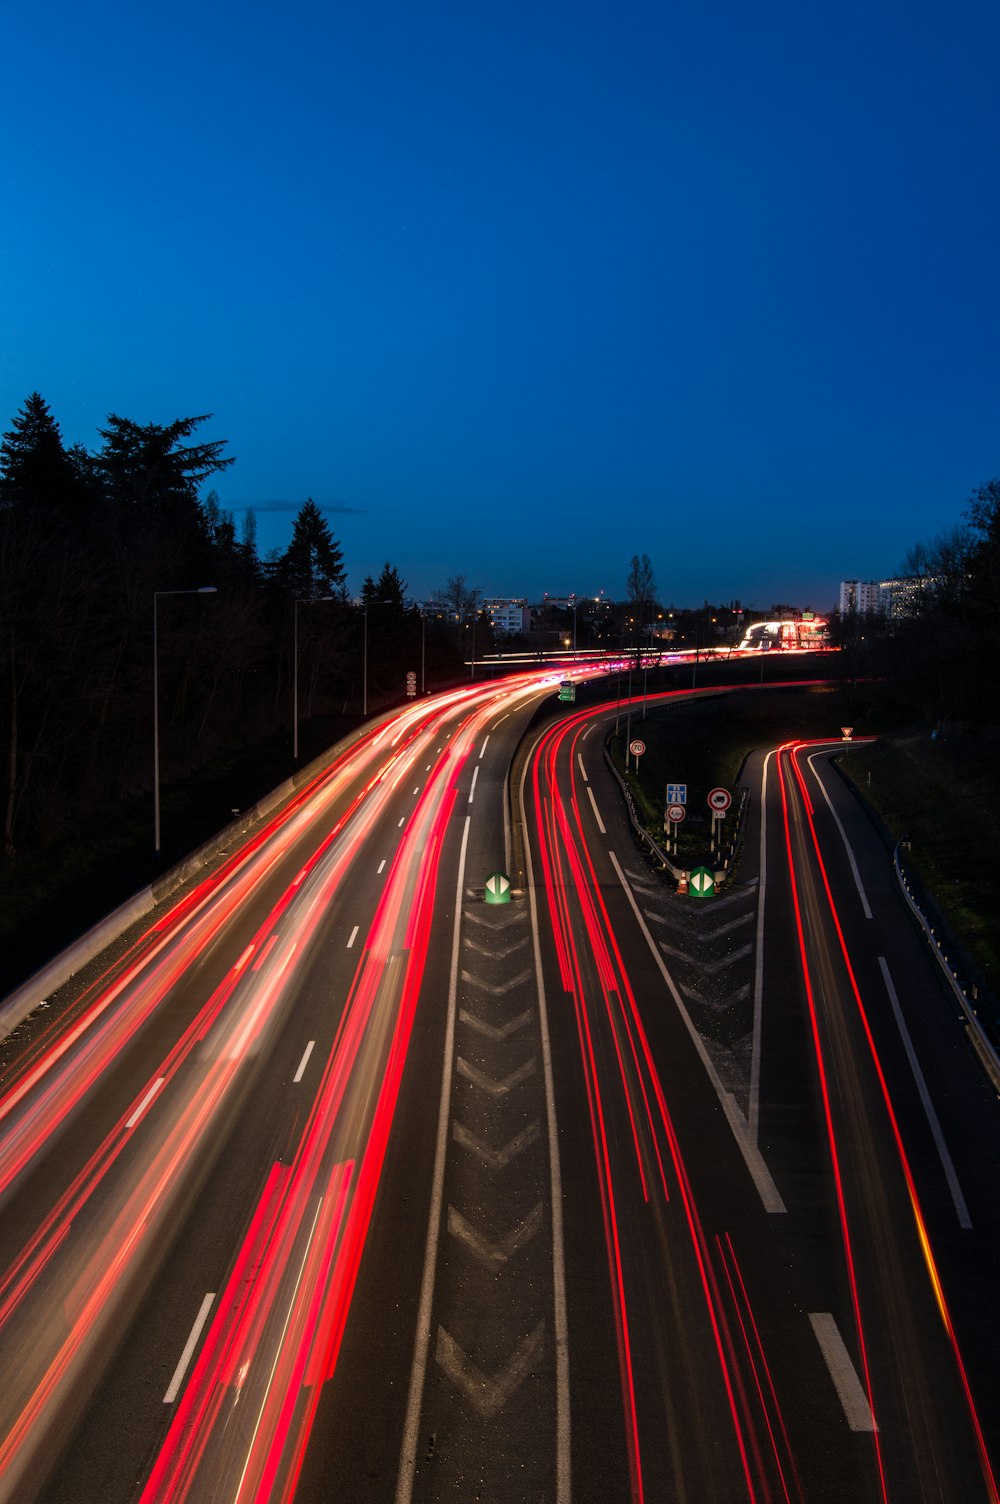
(497, 888)
(702, 882)
(567, 691)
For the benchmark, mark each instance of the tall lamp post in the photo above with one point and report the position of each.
(306, 600)
(386, 601)
(201, 590)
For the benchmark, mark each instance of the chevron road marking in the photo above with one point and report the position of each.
(491, 1031)
(489, 1395)
(497, 1159)
(492, 951)
(504, 912)
(711, 967)
(727, 929)
(487, 1083)
(498, 989)
(494, 1254)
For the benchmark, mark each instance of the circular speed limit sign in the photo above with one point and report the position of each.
(637, 748)
(675, 813)
(720, 800)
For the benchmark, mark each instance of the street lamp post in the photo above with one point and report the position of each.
(386, 601)
(300, 601)
(201, 590)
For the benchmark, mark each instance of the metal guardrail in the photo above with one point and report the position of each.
(978, 1036)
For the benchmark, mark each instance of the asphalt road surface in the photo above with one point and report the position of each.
(346, 1182)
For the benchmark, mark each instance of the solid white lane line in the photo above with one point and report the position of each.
(843, 1372)
(475, 775)
(304, 1061)
(381, 867)
(151, 1093)
(843, 836)
(759, 1173)
(354, 936)
(189, 1347)
(418, 1373)
(597, 813)
(758, 980)
(560, 1319)
(583, 770)
(483, 747)
(946, 1160)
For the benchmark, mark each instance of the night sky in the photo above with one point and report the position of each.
(519, 290)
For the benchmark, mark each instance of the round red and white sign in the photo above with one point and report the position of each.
(637, 748)
(720, 799)
(676, 813)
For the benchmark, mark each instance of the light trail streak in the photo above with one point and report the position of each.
(575, 901)
(831, 1136)
(95, 1275)
(923, 1237)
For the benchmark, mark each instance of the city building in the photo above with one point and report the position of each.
(508, 615)
(891, 598)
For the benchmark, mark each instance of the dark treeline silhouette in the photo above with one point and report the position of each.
(942, 652)
(86, 539)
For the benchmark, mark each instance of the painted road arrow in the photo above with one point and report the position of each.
(493, 1255)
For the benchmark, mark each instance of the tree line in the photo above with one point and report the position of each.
(941, 650)
(88, 540)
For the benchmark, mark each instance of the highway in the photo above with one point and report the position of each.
(343, 1182)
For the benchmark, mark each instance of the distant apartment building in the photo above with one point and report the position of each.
(860, 597)
(891, 598)
(508, 615)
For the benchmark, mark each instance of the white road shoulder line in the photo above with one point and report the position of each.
(842, 1371)
(843, 836)
(151, 1093)
(560, 1316)
(946, 1160)
(758, 979)
(411, 1425)
(189, 1347)
(304, 1061)
(597, 813)
(759, 1173)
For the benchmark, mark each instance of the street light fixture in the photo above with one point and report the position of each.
(201, 590)
(305, 600)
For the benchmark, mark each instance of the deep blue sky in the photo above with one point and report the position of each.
(520, 290)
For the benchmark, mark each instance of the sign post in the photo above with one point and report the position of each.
(411, 684)
(719, 801)
(637, 748)
(675, 814)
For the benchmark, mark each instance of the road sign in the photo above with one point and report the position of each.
(676, 813)
(677, 793)
(637, 748)
(497, 888)
(567, 691)
(411, 683)
(702, 882)
(845, 732)
(719, 800)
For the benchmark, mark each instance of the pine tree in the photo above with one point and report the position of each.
(313, 564)
(35, 469)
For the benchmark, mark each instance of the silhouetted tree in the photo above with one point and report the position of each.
(35, 470)
(313, 564)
